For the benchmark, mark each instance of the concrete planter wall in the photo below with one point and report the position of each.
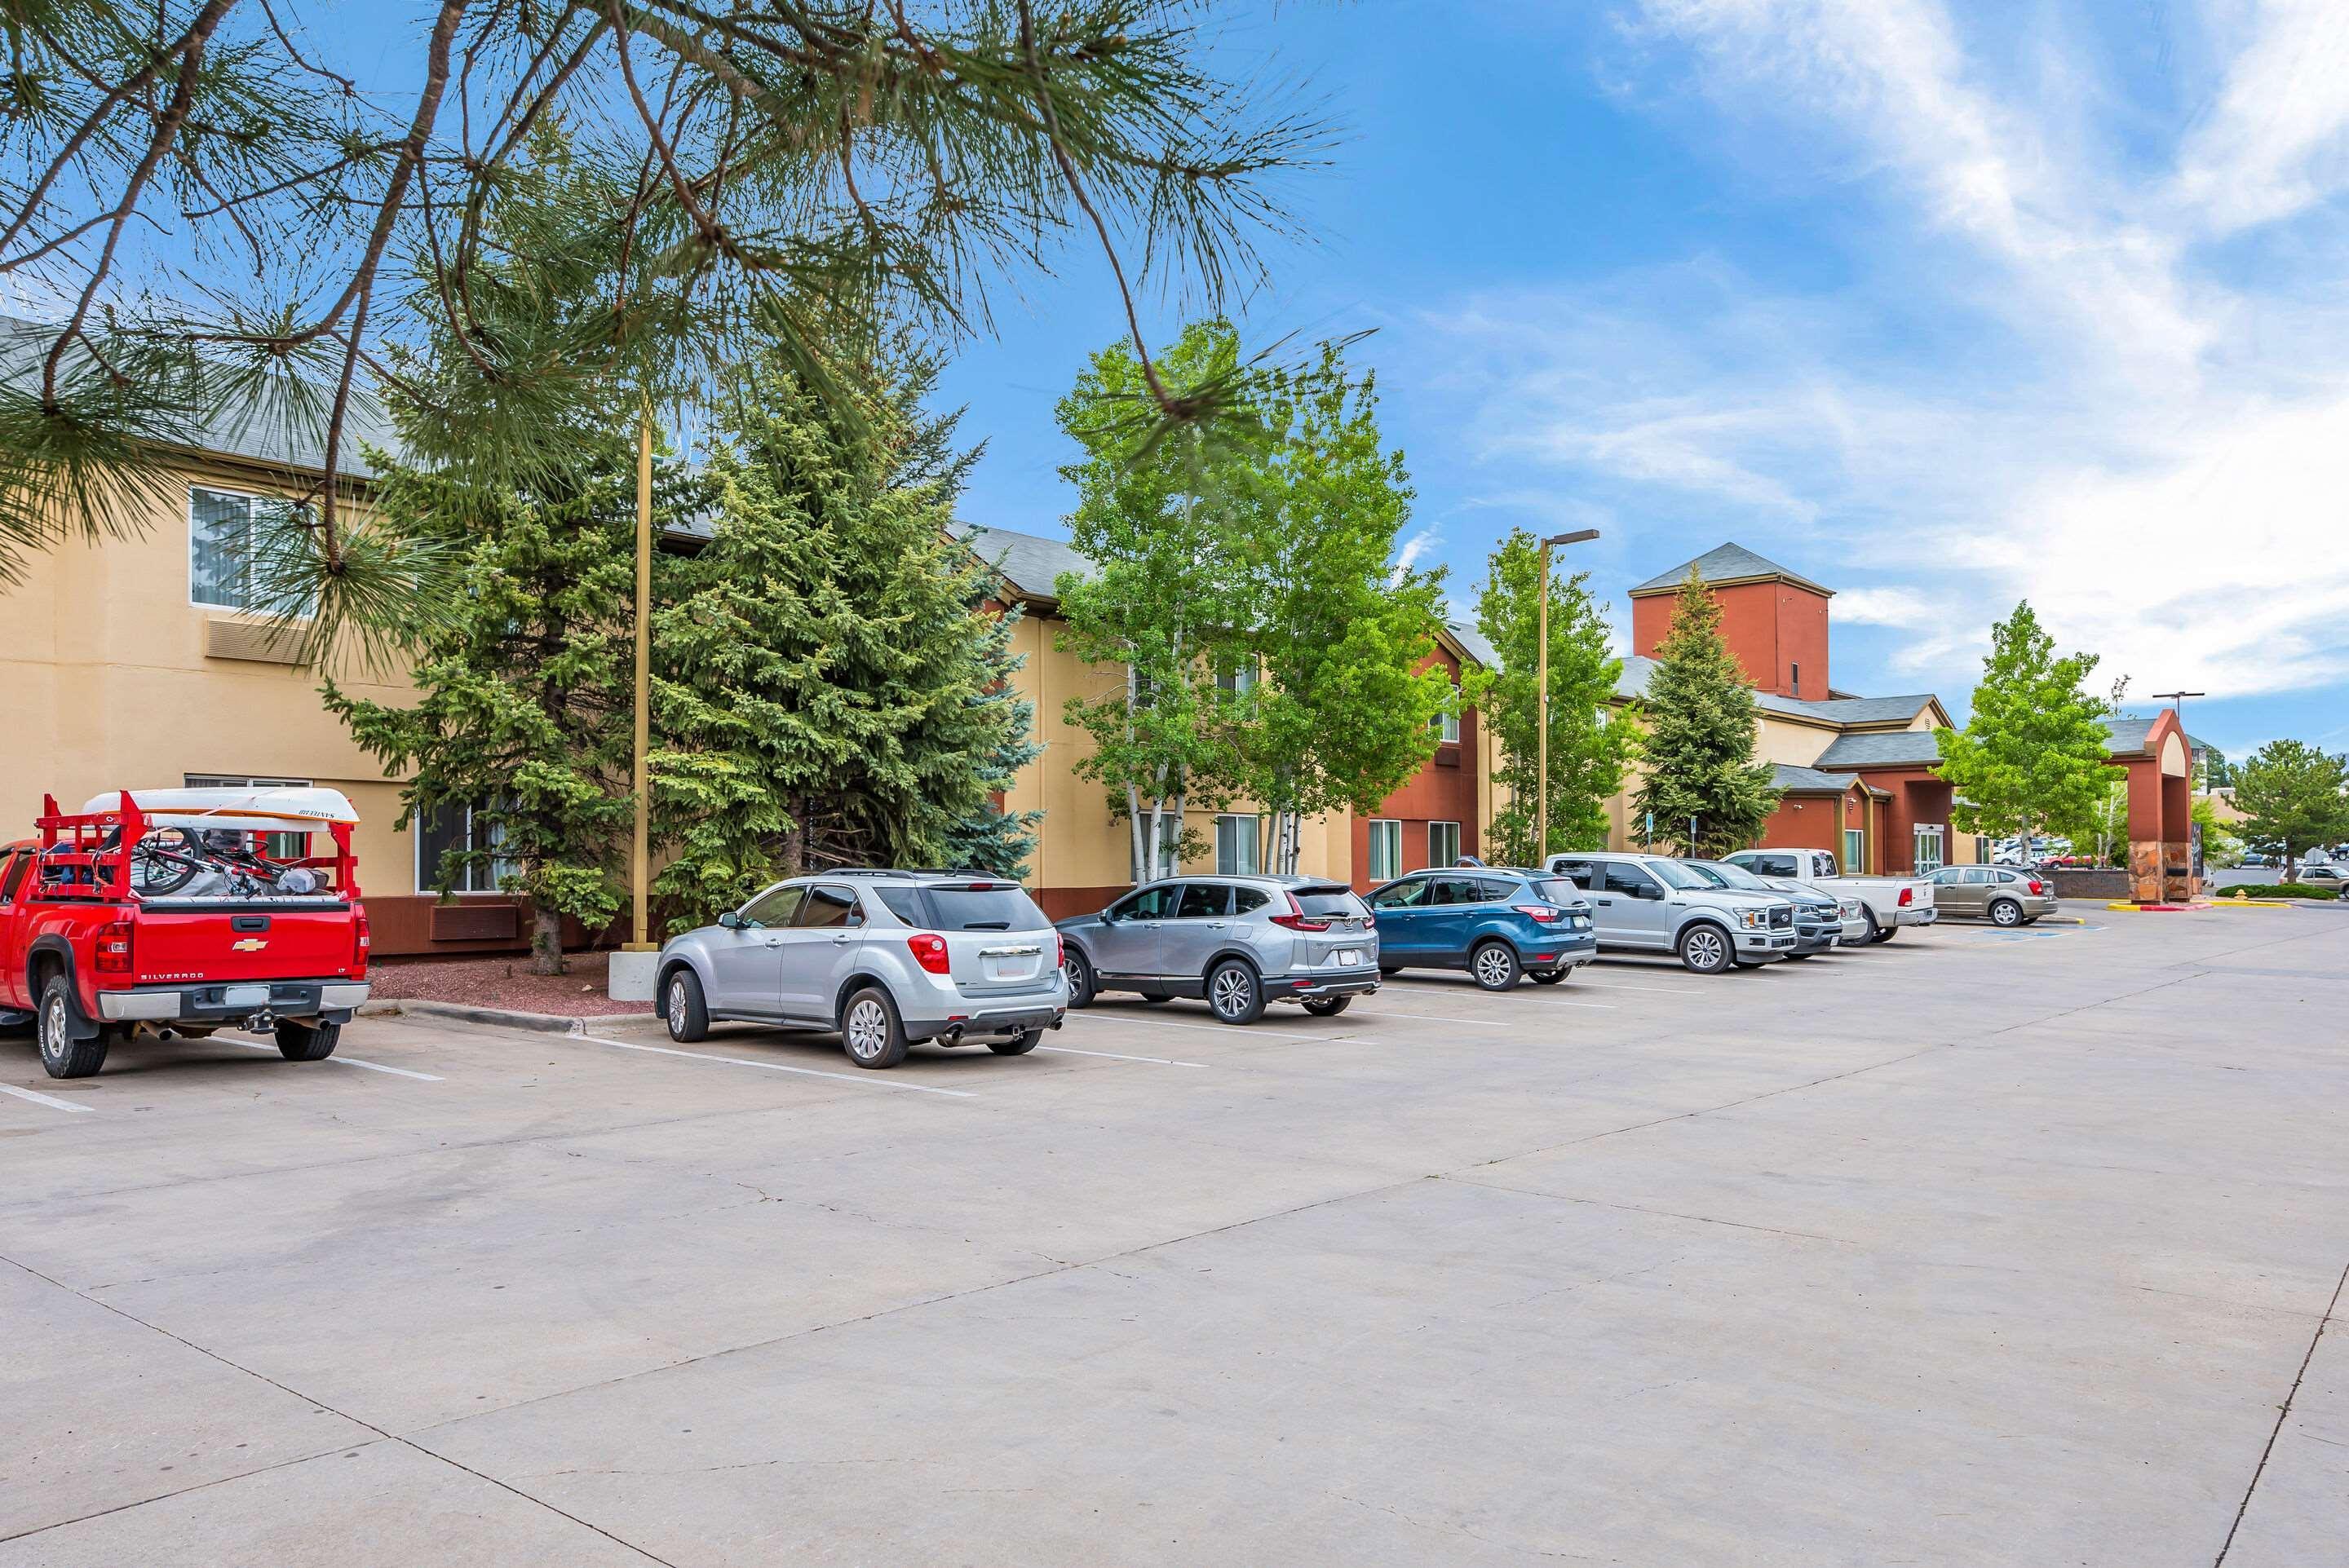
(2104, 886)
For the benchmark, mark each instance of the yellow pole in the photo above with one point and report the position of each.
(1541, 793)
(640, 837)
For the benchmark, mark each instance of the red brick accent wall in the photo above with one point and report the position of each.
(1773, 629)
(1806, 822)
(1444, 791)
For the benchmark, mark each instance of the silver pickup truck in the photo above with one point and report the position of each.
(1652, 903)
(1889, 902)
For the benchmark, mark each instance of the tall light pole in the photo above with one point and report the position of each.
(640, 835)
(1541, 795)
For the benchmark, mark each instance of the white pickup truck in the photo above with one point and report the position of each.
(1891, 903)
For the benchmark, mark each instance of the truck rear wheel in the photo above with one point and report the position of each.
(306, 1042)
(62, 1056)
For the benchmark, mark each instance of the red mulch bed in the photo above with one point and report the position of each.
(500, 980)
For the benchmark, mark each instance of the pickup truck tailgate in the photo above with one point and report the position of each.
(284, 941)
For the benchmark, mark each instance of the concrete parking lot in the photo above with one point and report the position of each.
(1974, 1248)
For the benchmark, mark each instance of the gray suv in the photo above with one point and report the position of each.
(1237, 942)
(1652, 903)
(886, 957)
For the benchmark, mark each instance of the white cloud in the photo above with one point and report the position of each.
(1882, 607)
(1413, 548)
(2041, 380)
(2278, 139)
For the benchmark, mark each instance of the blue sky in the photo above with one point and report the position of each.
(1943, 305)
(1942, 302)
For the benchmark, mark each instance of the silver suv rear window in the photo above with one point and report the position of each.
(1003, 906)
(1328, 901)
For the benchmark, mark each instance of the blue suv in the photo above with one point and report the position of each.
(1495, 923)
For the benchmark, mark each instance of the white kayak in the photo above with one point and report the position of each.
(303, 809)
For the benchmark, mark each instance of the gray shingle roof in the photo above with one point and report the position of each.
(1809, 780)
(1636, 668)
(271, 435)
(1881, 748)
(1474, 641)
(2128, 733)
(1726, 563)
(1031, 564)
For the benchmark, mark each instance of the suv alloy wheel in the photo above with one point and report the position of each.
(1493, 965)
(1234, 992)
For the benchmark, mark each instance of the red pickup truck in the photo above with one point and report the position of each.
(172, 913)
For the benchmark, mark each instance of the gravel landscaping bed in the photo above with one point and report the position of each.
(500, 980)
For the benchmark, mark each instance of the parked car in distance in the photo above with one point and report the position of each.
(1995, 893)
(1496, 922)
(888, 958)
(2323, 873)
(1238, 942)
(1652, 903)
(1818, 918)
(1891, 903)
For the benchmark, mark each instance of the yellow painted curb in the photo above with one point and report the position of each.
(2255, 903)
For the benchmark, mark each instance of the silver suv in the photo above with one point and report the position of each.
(1652, 903)
(886, 957)
(1237, 942)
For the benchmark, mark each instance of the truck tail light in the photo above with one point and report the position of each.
(1297, 919)
(359, 939)
(1541, 912)
(1906, 894)
(929, 951)
(114, 947)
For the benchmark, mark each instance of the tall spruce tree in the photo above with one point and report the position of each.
(1590, 747)
(831, 684)
(1708, 795)
(2295, 797)
(526, 711)
(2033, 755)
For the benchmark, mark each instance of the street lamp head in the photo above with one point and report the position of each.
(1576, 537)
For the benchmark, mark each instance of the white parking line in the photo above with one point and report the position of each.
(1440, 1018)
(1224, 1029)
(862, 1080)
(1658, 990)
(1116, 1056)
(52, 1102)
(344, 1061)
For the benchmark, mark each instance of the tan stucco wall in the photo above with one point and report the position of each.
(1778, 739)
(104, 685)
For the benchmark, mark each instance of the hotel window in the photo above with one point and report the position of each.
(1795, 681)
(277, 846)
(455, 828)
(1929, 849)
(1386, 850)
(1447, 724)
(220, 529)
(1854, 852)
(1443, 843)
(1236, 838)
(1237, 682)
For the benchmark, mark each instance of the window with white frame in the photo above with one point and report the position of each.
(1443, 843)
(455, 829)
(277, 846)
(1854, 852)
(1446, 724)
(1236, 838)
(222, 527)
(1386, 850)
(1237, 682)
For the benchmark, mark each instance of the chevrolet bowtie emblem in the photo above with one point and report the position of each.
(250, 944)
